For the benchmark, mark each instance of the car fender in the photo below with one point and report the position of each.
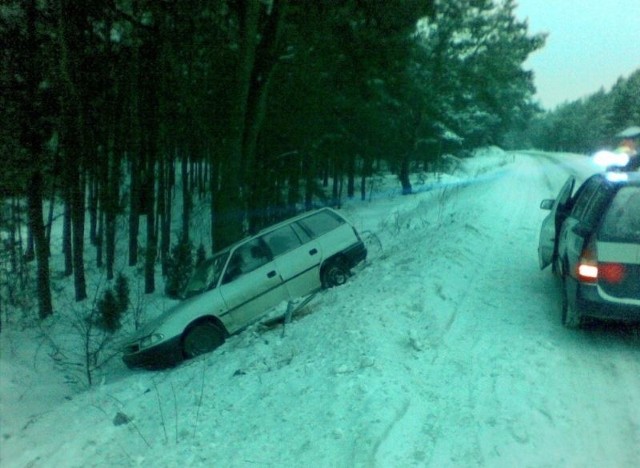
(174, 321)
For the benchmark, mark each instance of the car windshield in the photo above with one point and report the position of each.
(206, 275)
(622, 223)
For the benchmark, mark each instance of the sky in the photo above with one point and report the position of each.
(591, 44)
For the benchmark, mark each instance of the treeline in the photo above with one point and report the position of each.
(259, 105)
(591, 123)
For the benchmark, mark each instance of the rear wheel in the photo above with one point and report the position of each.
(201, 338)
(335, 273)
(571, 318)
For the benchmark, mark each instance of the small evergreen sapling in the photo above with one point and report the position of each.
(113, 304)
(109, 311)
(201, 255)
(179, 267)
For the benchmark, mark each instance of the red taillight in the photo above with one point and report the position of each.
(611, 272)
(587, 268)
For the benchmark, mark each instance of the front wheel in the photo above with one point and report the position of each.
(201, 338)
(571, 318)
(335, 274)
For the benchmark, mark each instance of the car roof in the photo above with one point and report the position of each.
(287, 221)
(272, 227)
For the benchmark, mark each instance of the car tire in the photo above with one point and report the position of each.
(201, 338)
(571, 318)
(334, 274)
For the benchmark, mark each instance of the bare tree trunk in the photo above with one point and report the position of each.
(351, 175)
(404, 174)
(111, 208)
(100, 240)
(214, 188)
(101, 174)
(165, 230)
(49, 224)
(93, 186)
(134, 208)
(30, 252)
(135, 165)
(367, 167)
(36, 225)
(186, 194)
(266, 59)
(293, 195)
(33, 143)
(161, 200)
(77, 237)
(152, 249)
(310, 169)
(67, 248)
(72, 139)
(149, 111)
(337, 184)
(229, 203)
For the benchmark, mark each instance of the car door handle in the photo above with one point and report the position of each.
(313, 251)
(271, 274)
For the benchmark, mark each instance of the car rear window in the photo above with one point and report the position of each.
(321, 222)
(622, 221)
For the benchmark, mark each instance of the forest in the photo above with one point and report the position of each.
(588, 124)
(257, 109)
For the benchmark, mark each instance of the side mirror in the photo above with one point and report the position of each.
(547, 204)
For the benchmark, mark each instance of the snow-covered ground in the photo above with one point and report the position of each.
(445, 349)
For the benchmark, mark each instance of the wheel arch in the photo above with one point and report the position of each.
(207, 319)
(336, 259)
(212, 319)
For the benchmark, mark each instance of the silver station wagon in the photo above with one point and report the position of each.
(237, 286)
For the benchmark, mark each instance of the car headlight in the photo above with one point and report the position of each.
(150, 340)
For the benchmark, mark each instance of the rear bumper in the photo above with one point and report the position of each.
(589, 303)
(165, 354)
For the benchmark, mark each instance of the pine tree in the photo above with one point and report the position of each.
(179, 268)
(109, 311)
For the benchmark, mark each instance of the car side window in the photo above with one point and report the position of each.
(245, 259)
(321, 222)
(282, 240)
(622, 221)
(597, 205)
(301, 233)
(582, 198)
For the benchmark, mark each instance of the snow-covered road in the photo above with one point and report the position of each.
(500, 383)
(445, 350)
